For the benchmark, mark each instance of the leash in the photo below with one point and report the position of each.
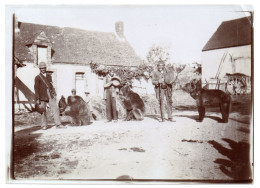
(46, 85)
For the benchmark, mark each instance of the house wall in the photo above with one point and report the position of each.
(143, 86)
(238, 60)
(63, 81)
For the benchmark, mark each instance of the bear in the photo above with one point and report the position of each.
(134, 105)
(76, 108)
(212, 96)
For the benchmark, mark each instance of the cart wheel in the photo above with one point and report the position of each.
(236, 86)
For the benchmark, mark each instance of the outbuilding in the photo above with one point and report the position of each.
(226, 57)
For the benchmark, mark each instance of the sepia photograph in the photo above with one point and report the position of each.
(130, 93)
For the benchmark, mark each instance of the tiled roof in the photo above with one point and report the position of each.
(230, 34)
(72, 45)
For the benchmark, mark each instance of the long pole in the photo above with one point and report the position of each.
(160, 102)
(13, 74)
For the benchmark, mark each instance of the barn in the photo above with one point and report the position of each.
(68, 53)
(226, 57)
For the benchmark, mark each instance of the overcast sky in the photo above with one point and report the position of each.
(184, 30)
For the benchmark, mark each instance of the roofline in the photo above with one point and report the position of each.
(250, 20)
(72, 63)
(226, 47)
(66, 27)
(120, 65)
(248, 17)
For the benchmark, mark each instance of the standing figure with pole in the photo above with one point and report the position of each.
(163, 88)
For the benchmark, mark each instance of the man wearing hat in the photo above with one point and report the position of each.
(163, 88)
(111, 92)
(45, 94)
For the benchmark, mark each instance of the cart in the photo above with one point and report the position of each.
(238, 84)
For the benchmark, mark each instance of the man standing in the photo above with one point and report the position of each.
(110, 95)
(45, 94)
(162, 89)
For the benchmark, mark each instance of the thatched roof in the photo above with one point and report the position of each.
(72, 45)
(231, 33)
(22, 52)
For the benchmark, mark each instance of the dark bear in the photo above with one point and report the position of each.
(134, 105)
(203, 96)
(77, 109)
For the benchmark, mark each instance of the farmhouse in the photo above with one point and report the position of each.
(68, 53)
(226, 57)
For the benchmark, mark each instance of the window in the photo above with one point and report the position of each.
(80, 75)
(42, 54)
(80, 83)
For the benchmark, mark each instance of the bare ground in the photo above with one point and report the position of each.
(184, 150)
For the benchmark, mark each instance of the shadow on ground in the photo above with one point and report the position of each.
(26, 144)
(237, 166)
(244, 120)
(196, 117)
(156, 117)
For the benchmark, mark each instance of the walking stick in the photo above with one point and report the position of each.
(160, 102)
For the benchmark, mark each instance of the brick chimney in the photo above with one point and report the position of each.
(119, 27)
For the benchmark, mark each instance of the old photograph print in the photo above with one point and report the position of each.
(131, 93)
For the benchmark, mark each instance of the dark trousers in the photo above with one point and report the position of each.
(110, 106)
(167, 93)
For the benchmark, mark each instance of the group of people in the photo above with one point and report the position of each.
(46, 95)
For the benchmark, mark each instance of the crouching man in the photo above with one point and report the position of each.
(45, 94)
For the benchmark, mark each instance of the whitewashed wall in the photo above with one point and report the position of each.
(143, 86)
(65, 79)
(239, 63)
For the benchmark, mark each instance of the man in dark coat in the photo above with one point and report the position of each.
(162, 89)
(45, 94)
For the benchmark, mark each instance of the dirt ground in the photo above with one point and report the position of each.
(185, 150)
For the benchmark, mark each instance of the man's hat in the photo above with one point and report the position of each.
(42, 65)
(160, 63)
(116, 81)
(116, 78)
(73, 90)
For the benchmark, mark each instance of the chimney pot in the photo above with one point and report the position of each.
(119, 27)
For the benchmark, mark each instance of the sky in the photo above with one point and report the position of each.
(182, 29)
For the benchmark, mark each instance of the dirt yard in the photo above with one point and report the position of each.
(146, 150)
